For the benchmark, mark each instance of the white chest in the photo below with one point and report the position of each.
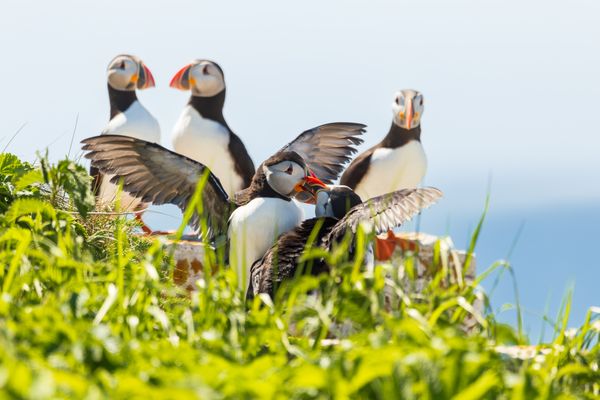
(253, 229)
(107, 197)
(136, 122)
(207, 142)
(393, 169)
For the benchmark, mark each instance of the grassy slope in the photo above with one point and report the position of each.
(89, 311)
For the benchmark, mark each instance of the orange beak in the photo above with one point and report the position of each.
(181, 80)
(306, 191)
(145, 79)
(409, 113)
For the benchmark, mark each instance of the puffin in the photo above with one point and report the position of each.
(339, 211)
(201, 132)
(250, 221)
(126, 74)
(398, 161)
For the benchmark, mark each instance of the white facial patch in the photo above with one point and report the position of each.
(206, 79)
(284, 176)
(121, 73)
(323, 206)
(401, 104)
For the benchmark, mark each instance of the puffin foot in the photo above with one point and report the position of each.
(145, 228)
(162, 233)
(384, 247)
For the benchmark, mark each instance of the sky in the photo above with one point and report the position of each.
(511, 96)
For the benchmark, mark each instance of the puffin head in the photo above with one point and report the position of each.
(288, 175)
(126, 72)
(408, 108)
(204, 78)
(335, 201)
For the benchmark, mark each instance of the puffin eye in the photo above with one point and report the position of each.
(122, 65)
(289, 169)
(205, 70)
(400, 100)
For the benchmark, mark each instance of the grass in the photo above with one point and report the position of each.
(88, 310)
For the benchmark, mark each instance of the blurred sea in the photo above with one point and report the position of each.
(553, 248)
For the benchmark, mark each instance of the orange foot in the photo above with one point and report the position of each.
(145, 228)
(384, 247)
(162, 233)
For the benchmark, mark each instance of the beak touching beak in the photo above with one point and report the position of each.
(144, 78)
(181, 80)
(409, 113)
(306, 190)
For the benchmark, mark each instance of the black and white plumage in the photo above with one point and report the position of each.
(258, 214)
(398, 161)
(201, 131)
(129, 117)
(385, 212)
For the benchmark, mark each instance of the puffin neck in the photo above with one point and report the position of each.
(398, 136)
(120, 100)
(210, 107)
(258, 188)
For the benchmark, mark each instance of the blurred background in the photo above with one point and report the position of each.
(511, 105)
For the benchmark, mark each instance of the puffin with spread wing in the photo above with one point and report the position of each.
(255, 216)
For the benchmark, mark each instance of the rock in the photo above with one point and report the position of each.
(413, 258)
(410, 254)
(416, 258)
(189, 255)
(423, 247)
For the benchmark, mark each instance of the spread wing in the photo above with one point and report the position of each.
(159, 176)
(326, 148)
(385, 212)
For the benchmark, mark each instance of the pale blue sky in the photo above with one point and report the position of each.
(511, 86)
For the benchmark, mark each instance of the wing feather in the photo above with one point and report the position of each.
(159, 176)
(326, 148)
(385, 212)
